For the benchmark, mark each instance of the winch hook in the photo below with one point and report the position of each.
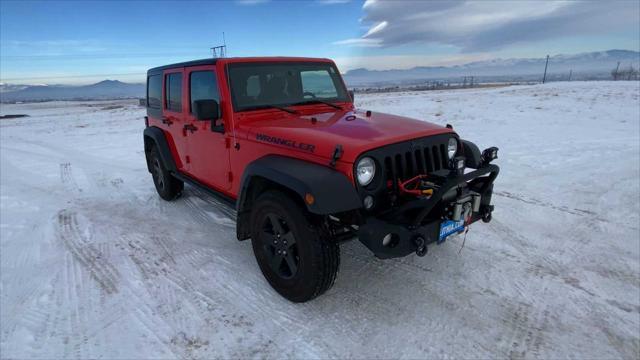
(421, 247)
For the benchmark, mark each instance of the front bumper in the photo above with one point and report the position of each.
(415, 224)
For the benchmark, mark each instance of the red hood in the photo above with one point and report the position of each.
(353, 130)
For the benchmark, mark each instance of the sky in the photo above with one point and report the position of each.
(76, 42)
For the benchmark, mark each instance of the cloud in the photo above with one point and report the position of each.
(359, 42)
(385, 62)
(489, 25)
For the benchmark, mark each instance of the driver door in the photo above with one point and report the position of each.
(207, 144)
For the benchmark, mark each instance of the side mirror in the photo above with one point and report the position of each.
(352, 94)
(206, 110)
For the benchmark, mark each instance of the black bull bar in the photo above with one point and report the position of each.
(406, 237)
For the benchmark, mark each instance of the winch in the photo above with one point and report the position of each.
(464, 206)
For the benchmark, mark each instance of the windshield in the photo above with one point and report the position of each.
(257, 86)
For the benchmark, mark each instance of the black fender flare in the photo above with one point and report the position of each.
(155, 136)
(332, 191)
(473, 157)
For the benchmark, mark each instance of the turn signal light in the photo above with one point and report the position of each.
(309, 199)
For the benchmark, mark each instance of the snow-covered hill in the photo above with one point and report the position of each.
(106, 89)
(94, 265)
(597, 64)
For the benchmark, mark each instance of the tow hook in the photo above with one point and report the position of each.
(421, 248)
(486, 214)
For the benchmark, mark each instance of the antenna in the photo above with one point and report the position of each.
(220, 51)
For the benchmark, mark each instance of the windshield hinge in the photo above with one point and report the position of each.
(337, 154)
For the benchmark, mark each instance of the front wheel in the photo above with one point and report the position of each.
(294, 254)
(168, 187)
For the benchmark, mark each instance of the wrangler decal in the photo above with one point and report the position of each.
(286, 142)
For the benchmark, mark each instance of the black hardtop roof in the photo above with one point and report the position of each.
(210, 61)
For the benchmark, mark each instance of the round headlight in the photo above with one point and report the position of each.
(365, 171)
(452, 147)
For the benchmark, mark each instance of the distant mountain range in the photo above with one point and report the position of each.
(107, 89)
(592, 65)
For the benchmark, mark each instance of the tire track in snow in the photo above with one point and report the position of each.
(86, 253)
(528, 328)
(67, 178)
(179, 298)
(562, 208)
(181, 294)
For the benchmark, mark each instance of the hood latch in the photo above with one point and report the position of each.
(337, 154)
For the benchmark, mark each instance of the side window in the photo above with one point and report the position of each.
(154, 91)
(319, 83)
(203, 85)
(173, 92)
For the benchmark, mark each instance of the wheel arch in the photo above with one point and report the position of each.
(154, 137)
(331, 190)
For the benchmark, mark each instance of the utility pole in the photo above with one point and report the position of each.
(224, 43)
(570, 72)
(544, 77)
(221, 50)
(615, 74)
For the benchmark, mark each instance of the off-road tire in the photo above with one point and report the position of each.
(168, 187)
(318, 257)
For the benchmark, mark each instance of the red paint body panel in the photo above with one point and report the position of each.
(212, 160)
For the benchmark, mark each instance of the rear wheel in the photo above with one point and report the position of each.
(168, 187)
(294, 254)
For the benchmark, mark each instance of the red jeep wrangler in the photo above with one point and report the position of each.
(281, 139)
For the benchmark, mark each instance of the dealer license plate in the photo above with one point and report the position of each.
(450, 227)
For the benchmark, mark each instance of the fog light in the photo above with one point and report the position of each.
(490, 154)
(368, 202)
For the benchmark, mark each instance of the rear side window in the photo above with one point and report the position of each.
(173, 92)
(154, 91)
(203, 85)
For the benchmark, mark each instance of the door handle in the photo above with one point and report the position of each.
(189, 127)
(167, 121)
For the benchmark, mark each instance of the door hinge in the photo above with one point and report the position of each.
(188, 159)
(230, 174)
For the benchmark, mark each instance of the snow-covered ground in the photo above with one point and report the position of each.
(95, 265)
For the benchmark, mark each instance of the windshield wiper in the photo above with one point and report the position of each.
(271, 106)
(316, 101)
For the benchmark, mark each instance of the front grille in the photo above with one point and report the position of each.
(416, 161)
(404, 160)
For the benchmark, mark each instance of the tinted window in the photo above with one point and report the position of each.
(203, 86)
(253, 86)
(317, 84)
(258, 85)
(173, 92)
(154, 91)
